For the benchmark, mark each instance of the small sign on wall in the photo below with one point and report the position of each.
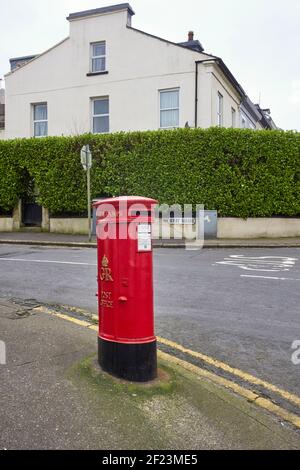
(181, 220)
(144, 237)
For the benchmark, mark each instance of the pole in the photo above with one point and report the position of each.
(88, 183)
(86, 161)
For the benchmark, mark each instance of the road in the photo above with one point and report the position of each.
(240, 306)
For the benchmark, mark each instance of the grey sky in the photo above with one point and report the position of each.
(259, 40)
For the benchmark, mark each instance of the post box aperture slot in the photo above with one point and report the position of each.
(140, 213)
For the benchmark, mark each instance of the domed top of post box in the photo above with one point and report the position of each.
(129, 199)
(122, 206)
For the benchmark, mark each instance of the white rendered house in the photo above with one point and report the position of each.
(107, 76)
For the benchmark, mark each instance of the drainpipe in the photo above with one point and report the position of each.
(196, 94)
(196, 87)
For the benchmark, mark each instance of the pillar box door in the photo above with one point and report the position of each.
(127, 343)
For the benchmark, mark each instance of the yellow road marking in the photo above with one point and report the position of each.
(80, 311)
(242, 391)
(249, 394)
(232, 370)
(66, 317)
(94, 327)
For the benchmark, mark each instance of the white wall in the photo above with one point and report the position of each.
(231, 99)
(70, 226)
(264, 227)
(6, 224)
(211, 81)
(139, 65)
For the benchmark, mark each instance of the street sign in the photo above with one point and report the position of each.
(86, 157)
(86, 161)
(181, 220)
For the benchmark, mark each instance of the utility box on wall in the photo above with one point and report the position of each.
(210, 224)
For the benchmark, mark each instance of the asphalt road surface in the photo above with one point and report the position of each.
(240, 306)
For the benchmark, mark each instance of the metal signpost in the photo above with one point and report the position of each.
(86, 161)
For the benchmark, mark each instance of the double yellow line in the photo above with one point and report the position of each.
(251, 395)
(237, 372)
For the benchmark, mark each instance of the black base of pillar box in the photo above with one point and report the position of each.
(133, 362)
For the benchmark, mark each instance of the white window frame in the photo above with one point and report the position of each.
(233, 117)
(245, 119)
(92, 57)
(167, 90)
(100, 98)
(220, 104)
(35, 121)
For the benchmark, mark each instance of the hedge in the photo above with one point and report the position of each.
(239, 172)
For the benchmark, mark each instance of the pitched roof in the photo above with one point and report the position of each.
(29, 59)
(266, 120)
(178, 44)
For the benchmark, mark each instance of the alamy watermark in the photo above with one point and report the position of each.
(2, 353)
(175, 222)
(296, 355)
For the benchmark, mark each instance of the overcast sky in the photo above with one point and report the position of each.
(259, 40)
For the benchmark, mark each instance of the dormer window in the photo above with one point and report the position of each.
(98, 57)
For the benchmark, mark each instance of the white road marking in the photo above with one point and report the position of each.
(260, 263)
(270, 277)
(47, 261)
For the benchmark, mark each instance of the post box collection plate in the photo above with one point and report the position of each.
(144, 237)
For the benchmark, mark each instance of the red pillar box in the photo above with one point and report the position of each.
(126, 343)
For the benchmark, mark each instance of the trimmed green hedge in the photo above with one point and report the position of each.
(240, 173)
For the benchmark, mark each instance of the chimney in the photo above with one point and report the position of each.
(191, 36)
(191, 43)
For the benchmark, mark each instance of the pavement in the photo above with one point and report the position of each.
(32, 237)
(54, 396)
